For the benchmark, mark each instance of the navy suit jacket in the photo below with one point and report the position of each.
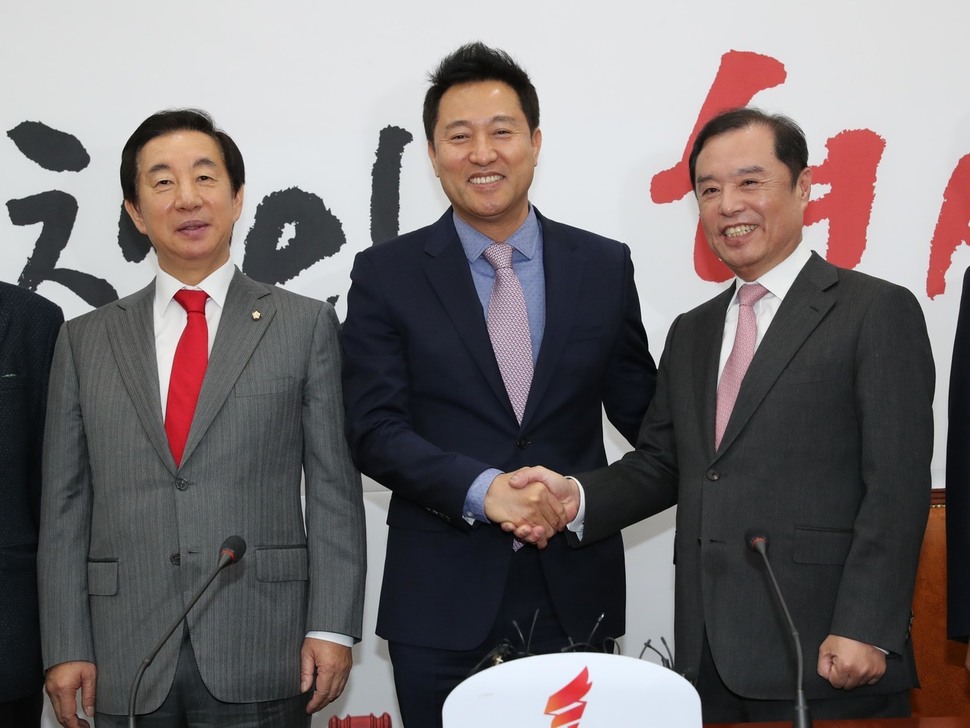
(958, 478)
(28, 329)
(427, 413)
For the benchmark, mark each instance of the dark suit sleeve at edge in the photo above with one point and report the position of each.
(382, 440)
(958, 477)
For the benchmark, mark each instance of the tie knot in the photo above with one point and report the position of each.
(499, 255)
(192, 301)
(750, 293)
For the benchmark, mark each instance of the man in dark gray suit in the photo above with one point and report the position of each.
(827, 448)
(28, 329)
(134, 513)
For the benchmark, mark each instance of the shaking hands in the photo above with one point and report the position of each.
(533, 503)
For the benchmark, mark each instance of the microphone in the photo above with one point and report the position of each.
(757, 540)
(231, 551)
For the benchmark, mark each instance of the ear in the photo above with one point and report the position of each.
(135, 214)
(237, 203)
(536, 145)
(432, 155)
(804, 186)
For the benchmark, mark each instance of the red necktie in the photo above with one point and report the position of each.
(188, 369)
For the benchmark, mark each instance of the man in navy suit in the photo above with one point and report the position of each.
(28, 329)
(430, 416)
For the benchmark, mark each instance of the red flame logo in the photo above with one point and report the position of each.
(568, 705)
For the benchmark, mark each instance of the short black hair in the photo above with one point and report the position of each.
(790, 145)
(168, 122)
(475, 62)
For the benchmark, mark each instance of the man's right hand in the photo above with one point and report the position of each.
(564, 490)
(62, 683)
(531, 506)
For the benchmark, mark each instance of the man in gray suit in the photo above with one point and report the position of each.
(133, 517)
(825, 451)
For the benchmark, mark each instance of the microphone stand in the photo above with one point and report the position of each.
(229, 554)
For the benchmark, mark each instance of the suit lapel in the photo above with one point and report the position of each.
(705, 358)
(248, 313)
(131, 336)
(446, 268)
(807, 303)
(562, 264)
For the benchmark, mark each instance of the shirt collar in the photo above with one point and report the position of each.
(216, 284)
(525, 239)
(779, 279)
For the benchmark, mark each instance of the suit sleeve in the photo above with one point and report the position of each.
(380, 430)
(894, 385)
(631, 378)
(334, 503)
(65, 517)
(958, 477)
(47, 322)
(644, 481)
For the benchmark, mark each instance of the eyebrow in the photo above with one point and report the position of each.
(498, 119)
(755, 169)
(200, 162)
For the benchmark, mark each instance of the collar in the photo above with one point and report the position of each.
(525, 239)
(216, 284)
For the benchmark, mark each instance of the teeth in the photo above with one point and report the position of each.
(485, 180)
(738, 230)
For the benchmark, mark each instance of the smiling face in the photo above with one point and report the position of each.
(751, 214)
(185, 204)
(485, 156)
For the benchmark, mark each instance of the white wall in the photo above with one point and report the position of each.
(305, 88)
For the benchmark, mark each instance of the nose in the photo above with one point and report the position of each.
(483, 151)
(730, 200)
(187, 196)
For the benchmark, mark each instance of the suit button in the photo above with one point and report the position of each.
(181, 483)
(176, 559)
(713, 474)
(522, 444)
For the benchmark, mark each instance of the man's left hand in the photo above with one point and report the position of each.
(331, 664)
(847, 664)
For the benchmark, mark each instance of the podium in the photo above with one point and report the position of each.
(591, 689)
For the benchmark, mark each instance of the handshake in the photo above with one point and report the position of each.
(532, 503)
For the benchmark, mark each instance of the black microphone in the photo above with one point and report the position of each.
(757, 540)
(231, 551)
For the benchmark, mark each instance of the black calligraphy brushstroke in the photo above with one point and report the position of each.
(134, 246)
(55, 150)
(318, 235)
(56, 211)
(385, 198)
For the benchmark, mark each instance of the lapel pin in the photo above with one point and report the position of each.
(256, 315)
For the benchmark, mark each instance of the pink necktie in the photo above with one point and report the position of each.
(508, 327)
(188, 369)
(740, 358)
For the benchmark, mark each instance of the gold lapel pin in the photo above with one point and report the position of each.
(256, 315)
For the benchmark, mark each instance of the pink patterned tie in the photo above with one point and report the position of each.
(740, 358)
(508, 327)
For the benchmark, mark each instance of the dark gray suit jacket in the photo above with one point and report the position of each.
(828, 449)
(127, 537)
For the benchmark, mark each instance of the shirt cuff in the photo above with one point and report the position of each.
(474, 508)
(335, 637)
(579, 522)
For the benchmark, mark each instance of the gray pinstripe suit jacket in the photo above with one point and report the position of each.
(126, 537)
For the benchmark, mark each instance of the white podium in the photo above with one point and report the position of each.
(574, 690)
